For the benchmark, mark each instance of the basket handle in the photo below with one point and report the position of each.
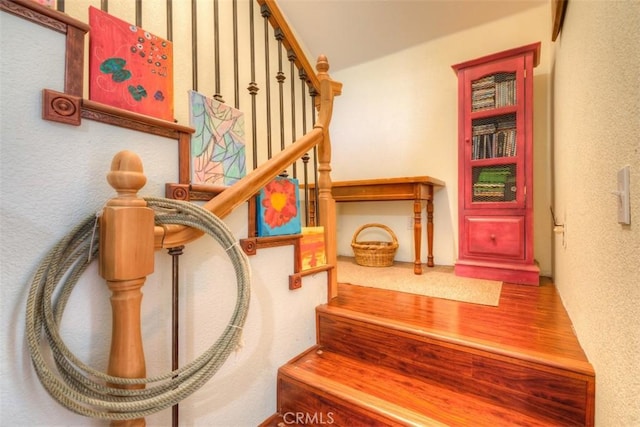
(384, 227)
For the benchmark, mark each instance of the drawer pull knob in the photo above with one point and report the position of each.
(493, 237)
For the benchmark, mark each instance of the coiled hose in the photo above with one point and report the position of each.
(83, 389)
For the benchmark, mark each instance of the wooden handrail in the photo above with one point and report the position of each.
(72, 107)
(128, 237)
(225, 202)
(248, 186)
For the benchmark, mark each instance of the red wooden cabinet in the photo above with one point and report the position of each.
(495, 166)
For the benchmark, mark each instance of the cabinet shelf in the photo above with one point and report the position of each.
(490, 112)
(492, 161)
(495, 176)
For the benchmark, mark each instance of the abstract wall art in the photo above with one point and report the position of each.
(129, 68)
(217, 145)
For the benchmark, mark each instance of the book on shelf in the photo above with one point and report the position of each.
(494, 91)
(488, 81)
(505, 90)
(494, 175)
(493, 182)
(489, 142)
(488, 189)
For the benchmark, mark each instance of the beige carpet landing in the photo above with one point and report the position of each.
(436, 282)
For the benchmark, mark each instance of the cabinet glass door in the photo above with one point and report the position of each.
(497, 183)
(494, 136)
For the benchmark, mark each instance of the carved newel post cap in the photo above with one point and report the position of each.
(126, 224)
(126, 176)
(322, 65)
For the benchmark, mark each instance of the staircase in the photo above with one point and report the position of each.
(390, 359)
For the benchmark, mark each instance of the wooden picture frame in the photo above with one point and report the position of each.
(558, 8)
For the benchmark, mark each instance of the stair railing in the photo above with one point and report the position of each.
(128, 236)
(248, 186)
(122, 223)
(70, 107)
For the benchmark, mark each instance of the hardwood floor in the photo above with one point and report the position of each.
(388, 358)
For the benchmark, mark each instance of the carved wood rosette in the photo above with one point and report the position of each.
(61, 107)
(295, 281)
(178, 191)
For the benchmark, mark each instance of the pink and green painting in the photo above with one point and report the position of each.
(279, 208)
(217, 145)
(48, 3)
(129, 67)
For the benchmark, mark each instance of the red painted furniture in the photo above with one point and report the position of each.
(495, 166)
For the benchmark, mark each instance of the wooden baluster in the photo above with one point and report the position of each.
(314, 218)
(305, 187)
(126, 258)
(175, 253)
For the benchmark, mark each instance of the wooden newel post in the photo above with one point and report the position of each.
(326, 203)
(126, 258)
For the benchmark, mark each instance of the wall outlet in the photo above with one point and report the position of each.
(410, 223)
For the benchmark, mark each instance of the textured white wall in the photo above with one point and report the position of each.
(52, 176)
(596, 132)
(397, 116)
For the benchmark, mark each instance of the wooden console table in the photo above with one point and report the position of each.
(417, 188)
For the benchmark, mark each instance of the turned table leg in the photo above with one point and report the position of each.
(417, 235)
(430, 232)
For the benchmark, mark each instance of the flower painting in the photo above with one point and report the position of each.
(217, 145)
(129, 68)
(279, 208)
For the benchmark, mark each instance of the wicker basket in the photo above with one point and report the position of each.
(374, 253)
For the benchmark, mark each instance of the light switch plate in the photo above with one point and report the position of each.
(624, 214)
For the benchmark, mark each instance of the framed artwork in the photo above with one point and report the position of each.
(48, 3)
(312, 248)
(278, 205)
(217, 145)
(129, 68)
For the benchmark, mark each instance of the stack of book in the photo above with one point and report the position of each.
(483, 93)
(505, 89)
(491, 183)
(494, 140)
(494, 91)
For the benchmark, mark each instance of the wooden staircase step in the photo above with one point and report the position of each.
(349, 392)
(522, 354)
(387, 358)
(501, 377)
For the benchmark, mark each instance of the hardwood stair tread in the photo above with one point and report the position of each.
(518, 329)
(403, 399)
(557, 361)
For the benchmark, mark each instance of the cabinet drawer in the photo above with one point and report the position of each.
(495, 236)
